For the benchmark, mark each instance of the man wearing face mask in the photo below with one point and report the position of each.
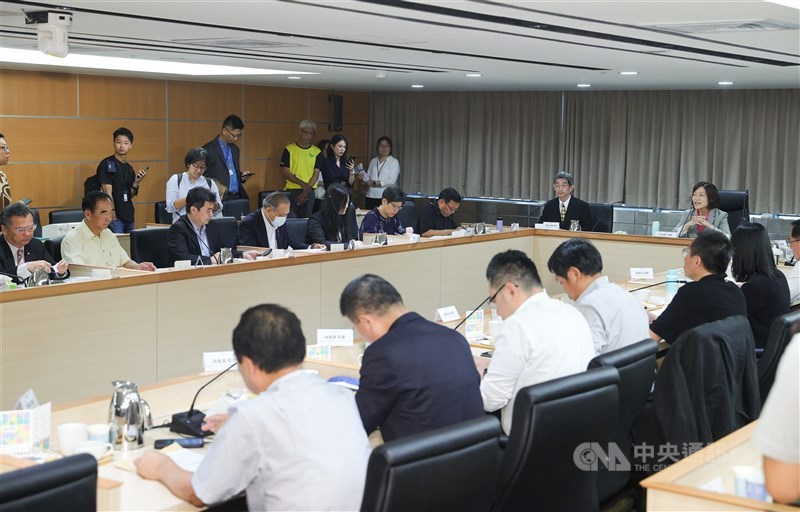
(267, 227)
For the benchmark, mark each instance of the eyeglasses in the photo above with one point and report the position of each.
(790, 241)
(26, 229)
(6, 149)
(234, 135)
(396, 207)
(201, 168)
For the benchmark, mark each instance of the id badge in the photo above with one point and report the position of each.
(125, 197)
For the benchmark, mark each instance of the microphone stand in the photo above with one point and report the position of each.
(191, 421)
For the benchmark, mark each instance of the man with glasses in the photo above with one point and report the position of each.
(416, 375)
(541, 338)
(5, 188)
(564, 208)
(794, 275)
(383, 218)
(20, 253)
(436, 219)
(223, 160)
(300, 164)
(709, 297)
(266, 227)
(92, 243)
(118, 180)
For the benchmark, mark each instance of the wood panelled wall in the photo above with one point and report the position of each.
(59, 127)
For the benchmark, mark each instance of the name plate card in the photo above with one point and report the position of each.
(547, 225)
(473, 327)
(448, 314)
(217, 361)
(335, 337)
(667, 234)
(641, 273)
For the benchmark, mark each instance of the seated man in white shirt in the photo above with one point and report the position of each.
(299, 445)
(541, 338)
(615, 317)
(92, 243)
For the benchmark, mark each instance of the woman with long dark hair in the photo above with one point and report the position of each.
(337, 167)
(335, 222)
(764, 286)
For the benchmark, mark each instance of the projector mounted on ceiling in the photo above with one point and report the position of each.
(52, 30)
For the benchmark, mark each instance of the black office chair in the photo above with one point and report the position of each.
(237, 208)
(62, 216)
(552, 422)
(150, 244)
(265, 193)
(452, 468)
(66, 484)
(36, 220)
(408, 215)
(53, 246)
(297, 229)
(636, 365)
(736, 204)
(162, 216)
(780, 334)
(602, 217)
(228, 228)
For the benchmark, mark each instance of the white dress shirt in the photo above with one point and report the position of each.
(794, 284)
(387, 173)
(272, 238)
(22, 267)
(544, 339)
(299, 445)
(615, 317)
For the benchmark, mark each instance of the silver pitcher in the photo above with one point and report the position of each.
(128, 416)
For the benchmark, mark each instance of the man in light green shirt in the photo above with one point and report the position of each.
(92, 243)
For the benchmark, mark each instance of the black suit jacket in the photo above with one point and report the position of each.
(417, 377)
(34, 251)
(577, 210)
(218, 169)
(253, 231)
(184, 245)
(316, 229)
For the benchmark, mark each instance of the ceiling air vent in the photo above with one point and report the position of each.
(238, 43)
(712, 27)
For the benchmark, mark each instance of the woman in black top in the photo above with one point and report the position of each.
(335, 222)
(764, 286)
(338, 167)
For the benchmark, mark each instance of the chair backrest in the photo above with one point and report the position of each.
(408, 215)
(65, 484)
(62, 216)
(636, 364)
(150, 244)
(452, 468)
(228, 228)
(162, 216)
(36, 220)
(297, 229)
(780, 334)
(236, 208)
(736, 204)
(602, 217)
(552, 422)
(53, 246)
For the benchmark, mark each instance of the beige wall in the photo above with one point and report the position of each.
(59, 127)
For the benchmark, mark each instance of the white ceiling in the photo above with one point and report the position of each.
(516, 45)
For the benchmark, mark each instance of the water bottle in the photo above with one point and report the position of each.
(499, 224)
(671, 287)
(655, 228)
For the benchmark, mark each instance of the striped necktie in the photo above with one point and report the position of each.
(563, 212)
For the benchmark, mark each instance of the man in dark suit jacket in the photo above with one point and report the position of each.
(20, 253)
(416, 376)
(266, 227)
(573, 208)
(223, 160)
(194, 236)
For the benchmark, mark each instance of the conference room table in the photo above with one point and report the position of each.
(68, 341)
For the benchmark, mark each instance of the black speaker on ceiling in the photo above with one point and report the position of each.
(337, 122)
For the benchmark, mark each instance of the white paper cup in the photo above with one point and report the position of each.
(96, 449)
(70, 434)
(99, 432)
(409, 230)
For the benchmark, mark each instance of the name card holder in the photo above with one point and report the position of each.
(641, 273)
(448, 314)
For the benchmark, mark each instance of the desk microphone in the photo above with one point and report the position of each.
(471, 313)
(191, 421)
(200, 256)
(602, 217)
(680, 232)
